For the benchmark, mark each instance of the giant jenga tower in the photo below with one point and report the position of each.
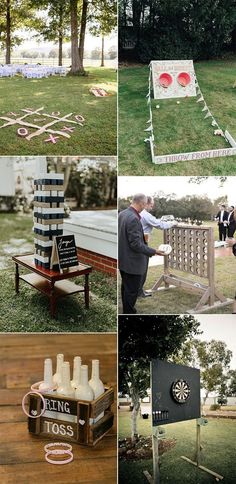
(48, 215)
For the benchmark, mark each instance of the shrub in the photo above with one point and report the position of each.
(215, 406)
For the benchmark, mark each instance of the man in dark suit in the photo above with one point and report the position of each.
(133, 252)
(222, 217)
(231, 227)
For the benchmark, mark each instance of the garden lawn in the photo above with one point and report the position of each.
(29, 311)
(178, 301)
(67, 95)
(177, 128)
(218, 453)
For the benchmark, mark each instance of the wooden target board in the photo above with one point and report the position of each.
(173, 79)
(175, 392)
(193, 253)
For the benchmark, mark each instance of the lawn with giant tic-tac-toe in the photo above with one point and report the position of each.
(217, 439)
(63, 95)
(179, 124)
(29, 310)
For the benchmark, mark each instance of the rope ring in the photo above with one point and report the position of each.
(59, 462)
(23, 404)
(48, 446)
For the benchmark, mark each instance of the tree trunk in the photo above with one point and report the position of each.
(205, 399)
(134, 416)
(82, 35)
(8, 32)
(75, 62)
(60, 37)
(102, 55)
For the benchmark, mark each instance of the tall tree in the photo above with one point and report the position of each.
(55, 25)
(14, 15)
(213, 358)
(142, 338)
(103, 17)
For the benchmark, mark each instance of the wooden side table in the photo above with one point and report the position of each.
(52, 283)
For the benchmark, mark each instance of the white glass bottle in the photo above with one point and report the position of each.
(47, 385)
(76, 372)
(84, 390)
(57, 375)
(96, 384)
(66, 390)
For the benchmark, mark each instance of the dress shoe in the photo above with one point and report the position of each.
(145, 294)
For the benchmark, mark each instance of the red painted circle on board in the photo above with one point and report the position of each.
(165, 79)
(184, 79)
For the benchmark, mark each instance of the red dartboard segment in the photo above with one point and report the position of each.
(184, 79)
(165, 79)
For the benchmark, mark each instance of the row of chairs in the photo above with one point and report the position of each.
(31, 71)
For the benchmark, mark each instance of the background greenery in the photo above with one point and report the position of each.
(217, 453)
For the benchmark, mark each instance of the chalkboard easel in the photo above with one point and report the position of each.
(64, 252)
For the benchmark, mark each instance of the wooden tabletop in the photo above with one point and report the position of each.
(22, 456)
(27, 261)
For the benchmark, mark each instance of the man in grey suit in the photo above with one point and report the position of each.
(133, 252)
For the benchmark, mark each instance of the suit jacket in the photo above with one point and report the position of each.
(133, 252)
(225, 216)
(232, 220)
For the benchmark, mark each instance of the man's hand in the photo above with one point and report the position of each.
(230, 242)
(159, 252)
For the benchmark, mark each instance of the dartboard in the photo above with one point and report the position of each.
(181, 391)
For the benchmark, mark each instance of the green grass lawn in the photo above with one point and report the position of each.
(67, 95)
(29, 311)
(177, 128)
(178, 301)
(218, 453)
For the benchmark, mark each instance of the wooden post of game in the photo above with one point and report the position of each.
(198, 443)
(156, 463)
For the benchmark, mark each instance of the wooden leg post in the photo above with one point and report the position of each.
(155, 450)
(52, 301)
(198, 444)
(198, 451)
(17, 278)
(86, 291)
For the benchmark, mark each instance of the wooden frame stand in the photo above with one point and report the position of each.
(196, 463)
(192, 252)
(81, 427)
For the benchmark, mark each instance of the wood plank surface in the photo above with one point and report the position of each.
(22, 456)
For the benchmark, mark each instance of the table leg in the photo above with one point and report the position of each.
(17, 279)
(86, 291)
(52, 301)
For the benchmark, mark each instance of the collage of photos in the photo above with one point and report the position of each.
(117, 241)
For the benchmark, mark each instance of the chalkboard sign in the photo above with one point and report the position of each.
(175, 392)
(64, 252)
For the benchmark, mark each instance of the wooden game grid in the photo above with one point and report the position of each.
(84, 433)
(192, 252)
(21, 121)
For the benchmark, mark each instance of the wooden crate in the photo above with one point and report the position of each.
(80, 432)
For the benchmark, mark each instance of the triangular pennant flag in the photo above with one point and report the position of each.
(214, 123)
(148, 101)
(148, 94)
(200, 99)
(149, 129)
(149, 121)
(198, 90)
(208, 115)
(205, 108)
(146, 140)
